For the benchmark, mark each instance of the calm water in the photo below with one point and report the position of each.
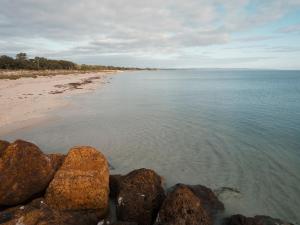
(238, 129)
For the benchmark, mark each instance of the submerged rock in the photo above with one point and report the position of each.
(182, 207)
(24, 172)
(228, 193)
(81, 183)
(3, 146)
(222, 190)
(209, 200)
(39, 213)
(256, 220)
(140, 197)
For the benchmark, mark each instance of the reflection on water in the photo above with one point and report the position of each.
(237, 129)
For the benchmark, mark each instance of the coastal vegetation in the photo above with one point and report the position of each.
(22, 66)
(22, 62)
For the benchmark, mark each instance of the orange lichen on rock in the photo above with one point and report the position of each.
(81, 183)
(24, 171)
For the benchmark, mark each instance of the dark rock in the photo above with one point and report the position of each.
(39, 213)
(24, 172)
(140, 197)
(182, 207)
(5, 216)
(209, 200)
(239, 220)
(3, 146)
(256, 220)
(114, 185)
(124, 223)
(81, 183)
(223, 190)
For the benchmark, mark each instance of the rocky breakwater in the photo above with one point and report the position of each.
(57, 189)
(36, 188)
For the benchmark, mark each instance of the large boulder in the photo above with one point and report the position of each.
(182, 207)
(38, 212)
(81, 183)
(3, 146)
(139, 197)
(209, 200)
(24, 172)
(256, 220)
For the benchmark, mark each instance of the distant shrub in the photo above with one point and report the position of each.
(22, 62)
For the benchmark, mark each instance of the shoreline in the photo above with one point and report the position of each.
(26, 101)
(23, 73)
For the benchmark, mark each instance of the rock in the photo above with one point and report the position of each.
(3, 146)
(256, 220)
(24, 172)
(57, 160)
(267, 220)
(140, 197)
(124, 223)
(39, 213)
(182, 207)
(105, 221)
(114, 185)
(209, 200)
(81, 183)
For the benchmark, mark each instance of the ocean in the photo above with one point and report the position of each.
(235, 131)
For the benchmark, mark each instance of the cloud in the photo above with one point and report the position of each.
(130, 27)
(256, 38)
(295, 28)
(283, 49)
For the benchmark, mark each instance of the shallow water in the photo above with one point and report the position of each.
(238, 129)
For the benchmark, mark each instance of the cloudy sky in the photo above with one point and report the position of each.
(156, 33)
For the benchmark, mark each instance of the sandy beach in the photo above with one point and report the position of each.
(28, 100)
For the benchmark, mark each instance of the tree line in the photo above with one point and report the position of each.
(22, 62)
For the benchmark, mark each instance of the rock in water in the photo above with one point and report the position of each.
(139, 197)
(182, 207)
(82, 182)
(24, 172)
(3, 146)
(209, 200)
(256, 220)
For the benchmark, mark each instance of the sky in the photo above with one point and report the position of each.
(158, 33)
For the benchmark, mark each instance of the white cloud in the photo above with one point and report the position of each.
(136, 27)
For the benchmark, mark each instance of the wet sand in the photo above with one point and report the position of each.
(28, 100)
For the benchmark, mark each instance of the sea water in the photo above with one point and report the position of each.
(238, 129)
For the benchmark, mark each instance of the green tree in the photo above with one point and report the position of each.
(6, 62)
(21, 56)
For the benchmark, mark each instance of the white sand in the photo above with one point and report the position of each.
(26, 100)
